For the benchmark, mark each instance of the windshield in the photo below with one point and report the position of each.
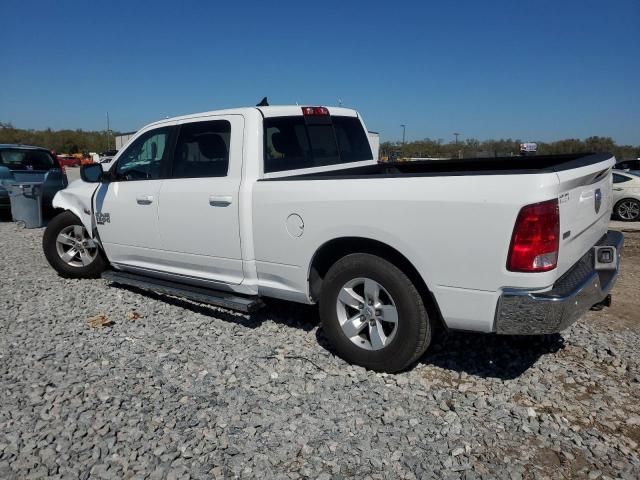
(18, 159)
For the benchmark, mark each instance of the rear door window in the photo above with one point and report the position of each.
(620, 178)
(202, 150)
(291, 143)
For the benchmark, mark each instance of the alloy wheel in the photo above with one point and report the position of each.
(74, 246)
(629, 210)
(367, 314)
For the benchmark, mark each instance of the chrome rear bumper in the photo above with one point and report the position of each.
(522, 312)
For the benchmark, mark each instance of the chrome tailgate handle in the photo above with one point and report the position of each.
(220, 200)
(144, 199)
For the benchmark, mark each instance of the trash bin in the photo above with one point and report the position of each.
(26, 203)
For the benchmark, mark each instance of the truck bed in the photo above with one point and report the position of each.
(456, 167)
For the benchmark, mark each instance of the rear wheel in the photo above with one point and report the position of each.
(69, 249)
(628, 209)
(372, 313)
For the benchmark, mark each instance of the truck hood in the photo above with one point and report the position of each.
(77, 199)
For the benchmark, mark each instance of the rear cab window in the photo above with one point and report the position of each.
(297, 142)
(23, 159)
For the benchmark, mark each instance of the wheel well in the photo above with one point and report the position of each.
(334, 250)
(626, 198)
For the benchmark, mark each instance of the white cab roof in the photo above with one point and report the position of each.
(271, 111)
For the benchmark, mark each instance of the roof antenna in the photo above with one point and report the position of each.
(263, 103)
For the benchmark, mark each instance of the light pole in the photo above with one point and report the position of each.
(456, 134)
(108, 142)
(404, 127)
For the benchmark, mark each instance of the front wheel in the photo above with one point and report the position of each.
(69, 249)
(372, 313)
(628, 209)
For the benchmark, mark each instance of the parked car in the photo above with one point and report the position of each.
(68, 161)
(626, 196)
(230, 206)
(629, 166)
(23, 163)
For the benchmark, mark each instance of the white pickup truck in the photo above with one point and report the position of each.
(231, 206)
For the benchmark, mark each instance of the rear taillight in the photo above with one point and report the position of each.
(315, 111)
(536, 238)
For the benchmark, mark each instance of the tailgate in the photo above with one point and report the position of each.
(29, 175)
(585, 208)
(52, 180)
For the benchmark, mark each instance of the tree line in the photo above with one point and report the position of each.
(81, 141)
(62, 141)
(473, 148)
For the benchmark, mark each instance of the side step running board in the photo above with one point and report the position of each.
(198, 294)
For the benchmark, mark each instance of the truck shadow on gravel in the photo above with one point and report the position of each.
(490, 356)
(480, 355)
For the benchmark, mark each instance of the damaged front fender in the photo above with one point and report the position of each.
(76, 198)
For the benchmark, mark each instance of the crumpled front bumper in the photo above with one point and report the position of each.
(521, 312)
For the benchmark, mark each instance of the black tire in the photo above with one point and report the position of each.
(58, 224)
(414, 328)
(628, 214)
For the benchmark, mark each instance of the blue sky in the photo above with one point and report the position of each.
(534, 70)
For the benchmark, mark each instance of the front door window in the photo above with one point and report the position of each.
(142, 160)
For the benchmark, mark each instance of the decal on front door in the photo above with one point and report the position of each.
(102, 218)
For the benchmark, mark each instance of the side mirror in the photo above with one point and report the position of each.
(91, 173)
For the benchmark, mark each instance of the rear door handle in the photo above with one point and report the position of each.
(220, 200)
(618, 189)
(144, 199)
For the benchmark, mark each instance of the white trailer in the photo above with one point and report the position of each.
(374, 141)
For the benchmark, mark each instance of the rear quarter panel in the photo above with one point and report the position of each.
(455, 230)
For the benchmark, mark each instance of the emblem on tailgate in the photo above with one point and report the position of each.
(598, 199)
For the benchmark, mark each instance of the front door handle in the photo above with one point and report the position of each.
(144, 199)
(220, 200)
(618, 189)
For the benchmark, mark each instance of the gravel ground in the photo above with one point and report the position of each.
(173, 389)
